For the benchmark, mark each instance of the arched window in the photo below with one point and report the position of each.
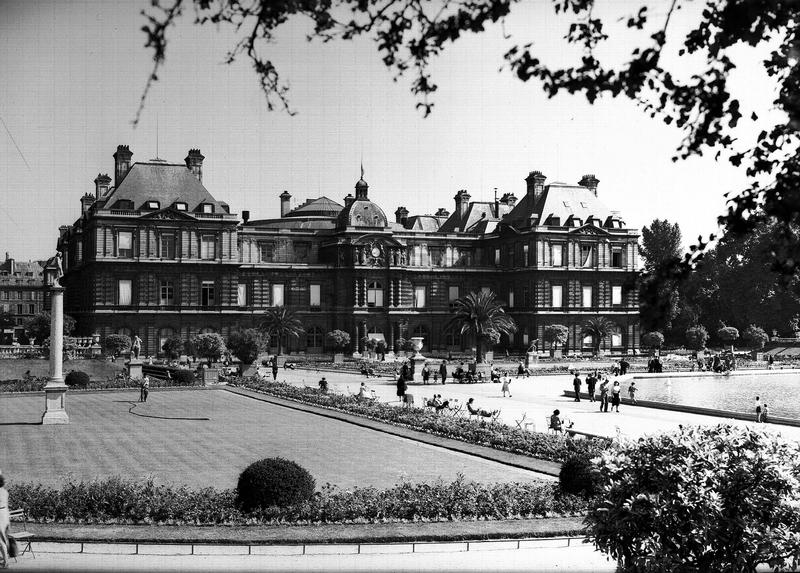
(375, 294)
(207, 330)
(314, 337)
(164, 334)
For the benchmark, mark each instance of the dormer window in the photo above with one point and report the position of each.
(180, 206)
(124, 204)
(152, 205)
(207, 208)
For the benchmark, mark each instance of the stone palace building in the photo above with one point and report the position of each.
(155, 254)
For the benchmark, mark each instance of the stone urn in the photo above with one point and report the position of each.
(417, 359)
(416, 342)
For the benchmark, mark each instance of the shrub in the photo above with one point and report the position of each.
(116, 344)
(555, 335)
(728, 334)
(755, 336)
(720, 498)
(172, 347)
(209, 346)
(182, 377)
(579, 476)
(653, 339)
(77, 378)
(245, 344)
(273, 482)
(339, 339)
(696, 337)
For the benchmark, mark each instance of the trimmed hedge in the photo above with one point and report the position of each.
(273, 481)
(77, 378)
(37, 384)
(120, 501)
(535, 444)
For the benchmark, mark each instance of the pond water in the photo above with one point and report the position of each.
(736, 393)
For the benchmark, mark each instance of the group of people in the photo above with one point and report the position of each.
(715, 363)
(762, 411)
(609, 393)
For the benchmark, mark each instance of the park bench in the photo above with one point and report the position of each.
(23, 538)
(572, 432)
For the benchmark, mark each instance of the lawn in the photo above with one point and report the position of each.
(206, 437)
(96, 369)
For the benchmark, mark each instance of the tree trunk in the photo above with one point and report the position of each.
(478, 352)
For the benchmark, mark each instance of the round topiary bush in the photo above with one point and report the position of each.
(76, 378)
(273, 482)
(182, 377)
(579, 476)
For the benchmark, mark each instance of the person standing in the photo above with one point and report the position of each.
(506, 383)
(274, 368)
(591, 384)
(5, 521)
(765, 414)
(145, 389)
(632, 392)
(426, 373)
(615, 391)
(576, 383)
(443, 371)
(604, 396)
(401, 383)
(759, 411)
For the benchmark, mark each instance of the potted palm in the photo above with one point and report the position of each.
(283, 324)
(339, 340)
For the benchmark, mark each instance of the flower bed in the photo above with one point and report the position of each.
(538, 445)
(38, 383)
(119, 501)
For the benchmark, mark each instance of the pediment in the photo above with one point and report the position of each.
(383, 238)
(589, 230)
(169, 214)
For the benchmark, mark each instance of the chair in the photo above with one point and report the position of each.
(456, 408)
(23, 538)
(550, 428)
(525, 424)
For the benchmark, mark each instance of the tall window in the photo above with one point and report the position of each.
(510, 299)
(124, 291)
(208, 248)
(587, 255)
(616, 294)
(525, 257)
(314, 295)
(421, 331)
(207, 295)
(452, 338)
(616, 339)
(557, 257)
(125, 244)
(163, 335)
(241, 295)
(167, 246)
(374, 294)
(586, 298)
(557, 298)
(314, 337)
(588, 341)
(31, 309)
(497, 257)
(616, 257)
(167, 294)
(277, 295)
(266, 249)
(452, 294)
(419, 296)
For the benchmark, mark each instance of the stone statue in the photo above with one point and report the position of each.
(534, 347)
(137, 346)
(59, 267)
(402, 257)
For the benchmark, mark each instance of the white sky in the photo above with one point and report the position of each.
(72, 74)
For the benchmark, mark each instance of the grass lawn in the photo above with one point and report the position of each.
(206, 437)
(96, 369)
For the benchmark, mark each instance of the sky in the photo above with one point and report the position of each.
(73, 73)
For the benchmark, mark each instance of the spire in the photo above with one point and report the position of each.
(361, 185)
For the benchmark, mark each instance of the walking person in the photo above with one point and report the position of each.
(604, 396)
(576, 383)
(401, 383)
(759, 411)
(145, 389)
(591, 384)
(765, 414)
(274, 368)
(615, 391)
(632, 392)
(506, 383)
(443, 371)
(5, 521)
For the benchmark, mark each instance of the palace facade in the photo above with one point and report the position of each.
(155, 254)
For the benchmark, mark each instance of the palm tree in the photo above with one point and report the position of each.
(480, 315)
(599, 328)
(281, 323)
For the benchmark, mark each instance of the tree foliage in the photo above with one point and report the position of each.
(599, 329)
(479, 315)
(653, 339)
(245, 344)
(6, 320)
(661, 243)
(173, 347)
(38, 326)
(755, 336)
(338, 339)
(696, 337)
(282, 324)
(719, 498)
(210, 346)
(116, 344)
(555, 335)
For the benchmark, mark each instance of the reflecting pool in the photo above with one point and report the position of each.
(736, 393)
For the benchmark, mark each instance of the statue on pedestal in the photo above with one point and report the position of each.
(136, 347)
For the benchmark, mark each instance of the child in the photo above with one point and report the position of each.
(506, 382)
(632, 392)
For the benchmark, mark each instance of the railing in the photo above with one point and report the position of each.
(37, 351)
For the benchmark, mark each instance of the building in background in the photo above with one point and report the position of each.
(155, 254)
(21, 294)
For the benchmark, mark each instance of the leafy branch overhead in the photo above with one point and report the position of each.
(410, 34)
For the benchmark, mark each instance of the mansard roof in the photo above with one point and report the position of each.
(562, 201)
(480, 218)
(425, 223)
(166, 183)
(319, 207)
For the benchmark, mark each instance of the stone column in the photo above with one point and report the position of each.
(55, 391)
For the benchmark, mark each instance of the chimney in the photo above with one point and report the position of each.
(245, 217)
(462, 202)
(101, 185)
(194, 161)
(349, 200)
(401, 215)
(442, 213)
(86, 201)
(285, 205)
(590, 182)
(509, 199)
(535, 181)
(122, 163)
(10, 262)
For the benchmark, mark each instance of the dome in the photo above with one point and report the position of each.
(362, 213)
(361, 184)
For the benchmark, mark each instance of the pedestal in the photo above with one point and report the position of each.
(134, 368)
(419, 363)
(55, 392)
(530, 358)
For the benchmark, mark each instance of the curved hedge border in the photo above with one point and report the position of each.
(539, 445)
(119, 501)
(38, 383)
